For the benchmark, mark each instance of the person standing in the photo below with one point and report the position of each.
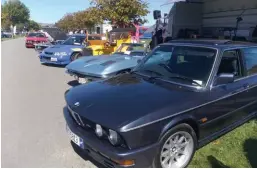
(71, 33)
(107, 34)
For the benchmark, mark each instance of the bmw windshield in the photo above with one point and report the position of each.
(74, 40)
(182, 64)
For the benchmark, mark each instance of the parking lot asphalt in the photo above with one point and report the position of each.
(33, 127)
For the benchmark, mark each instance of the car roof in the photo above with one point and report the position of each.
(213, 43)
(78, 35)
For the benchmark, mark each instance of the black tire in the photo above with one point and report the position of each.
(75, 56)
(179, 128)
(123, 72)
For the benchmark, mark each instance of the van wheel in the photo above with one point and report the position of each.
(177, 147)
(75, 56)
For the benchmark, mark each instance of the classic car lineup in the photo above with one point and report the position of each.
(140, 103)
(139, 108)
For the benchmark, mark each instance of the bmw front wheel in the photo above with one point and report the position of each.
(177, 148)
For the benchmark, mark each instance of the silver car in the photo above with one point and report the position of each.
(92, 68)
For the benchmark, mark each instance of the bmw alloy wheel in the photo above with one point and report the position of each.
(177, 150)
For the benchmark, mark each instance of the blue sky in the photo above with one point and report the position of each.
(50, 11)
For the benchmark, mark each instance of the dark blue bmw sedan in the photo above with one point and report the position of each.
(180, 97)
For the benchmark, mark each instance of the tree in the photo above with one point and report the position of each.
(80, 20)
(32, 25)
(87, 19)
(122, 13)
(14, 12)
(67, 22)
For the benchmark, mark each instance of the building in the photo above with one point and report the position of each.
(101, 29)
(213, 18)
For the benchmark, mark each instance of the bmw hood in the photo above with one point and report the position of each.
(96, 65)
(129, 100)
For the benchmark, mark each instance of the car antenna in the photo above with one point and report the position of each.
(238, 20)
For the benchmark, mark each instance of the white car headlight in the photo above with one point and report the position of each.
(114, 137)
(99, 131)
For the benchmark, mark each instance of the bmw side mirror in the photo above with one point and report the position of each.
(224, 78)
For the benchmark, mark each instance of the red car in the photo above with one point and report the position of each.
(34, 38)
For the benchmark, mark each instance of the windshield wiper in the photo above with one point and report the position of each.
(152, 71)
(166, 67)
(185, 78)
(158, 75)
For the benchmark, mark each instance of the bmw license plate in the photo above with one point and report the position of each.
(74, 138)
(54, 59)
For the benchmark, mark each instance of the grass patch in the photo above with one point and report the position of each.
(15, 37)
(237, 149)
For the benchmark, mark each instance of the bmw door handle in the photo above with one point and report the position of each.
(238, 90)
(246, 86)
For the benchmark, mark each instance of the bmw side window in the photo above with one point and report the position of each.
(250, 55)
(231, 64)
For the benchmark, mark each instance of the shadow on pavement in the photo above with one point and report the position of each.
(216, 163)
(53, 65)
(250, 148)
(73, 83)
(85, 156)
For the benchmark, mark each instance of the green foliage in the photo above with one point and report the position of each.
(122, 12)
(66, 23)
(80, 20)
(32, 25)
(119, 12)
(14, 12)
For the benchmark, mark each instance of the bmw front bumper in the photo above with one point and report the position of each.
(105, 153)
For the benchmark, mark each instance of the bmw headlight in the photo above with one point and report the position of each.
(99, 131)
(114, 137)
(60, 54)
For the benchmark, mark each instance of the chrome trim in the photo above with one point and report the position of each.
(236, 80)
(246, 77)
(164, 118)
(76, 118)
(224, 115)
